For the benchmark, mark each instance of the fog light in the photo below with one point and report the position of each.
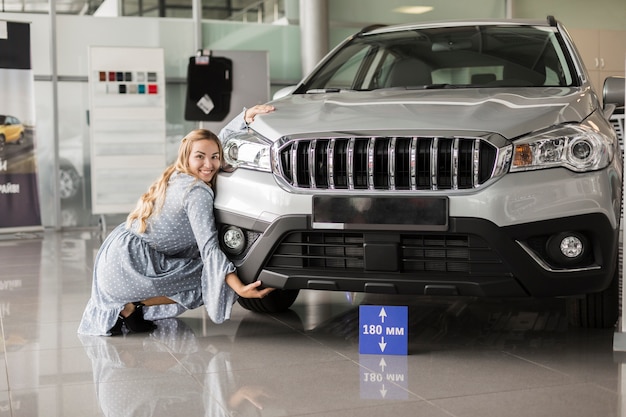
(571, 246)
(567, 248)
(233, 240)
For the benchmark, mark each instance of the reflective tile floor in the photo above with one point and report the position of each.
(466, 357)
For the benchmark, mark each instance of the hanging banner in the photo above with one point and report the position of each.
(19, 197)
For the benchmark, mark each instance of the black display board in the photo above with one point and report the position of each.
(209, 88)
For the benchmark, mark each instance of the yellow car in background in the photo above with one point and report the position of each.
(11, 130)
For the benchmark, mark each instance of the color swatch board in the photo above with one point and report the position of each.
(127, 125)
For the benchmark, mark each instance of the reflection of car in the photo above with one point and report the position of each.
(11, 130)
(461, 158)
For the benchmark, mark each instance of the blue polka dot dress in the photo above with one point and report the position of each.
(178, 256)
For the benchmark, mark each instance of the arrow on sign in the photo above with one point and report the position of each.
(382, 344)
(382, 364)
(382, 314)
(383, 391)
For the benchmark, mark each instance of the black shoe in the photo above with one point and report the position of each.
(116, 330)
(135, 323)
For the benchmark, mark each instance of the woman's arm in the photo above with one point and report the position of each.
(217, 267)
(243, 119)
(250, 114)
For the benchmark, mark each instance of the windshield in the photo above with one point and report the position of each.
(449, 57)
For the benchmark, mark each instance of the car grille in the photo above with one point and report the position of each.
(417, 252)
(387, 163)
(617, 120)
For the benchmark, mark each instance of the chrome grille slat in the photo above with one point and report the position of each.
(413, 163)
(312, 163)
(391, 164)
(434, 153)
(455, 164)
(379, 163)
(294, 164)
(350, 164)
(330, 158)
(371, 147)
(475, 161)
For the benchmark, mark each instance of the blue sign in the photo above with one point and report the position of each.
(383, 330)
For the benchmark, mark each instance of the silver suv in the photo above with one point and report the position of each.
(453, 158)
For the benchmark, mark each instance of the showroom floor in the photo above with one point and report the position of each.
(466, 357)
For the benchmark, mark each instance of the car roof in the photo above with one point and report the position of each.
(454, 23)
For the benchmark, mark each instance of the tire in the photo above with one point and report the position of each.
(69, 180)
(3, 141)
(20, 140)
(599, 310)
(275, 302)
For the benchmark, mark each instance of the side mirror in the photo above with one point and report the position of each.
(285, 91)
(613, 91)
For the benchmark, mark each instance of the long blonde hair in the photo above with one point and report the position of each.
(152, 200)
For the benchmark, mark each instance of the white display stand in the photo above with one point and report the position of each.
(127, 125)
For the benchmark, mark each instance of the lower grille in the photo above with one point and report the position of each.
(417, 253)
(387, 163)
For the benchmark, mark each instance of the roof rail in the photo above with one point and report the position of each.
(371, 27)
(552, 21)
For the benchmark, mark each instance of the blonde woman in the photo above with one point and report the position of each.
(166, 259)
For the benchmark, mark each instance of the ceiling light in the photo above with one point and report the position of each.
(413, 9)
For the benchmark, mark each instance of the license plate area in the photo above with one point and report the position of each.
(380, 213)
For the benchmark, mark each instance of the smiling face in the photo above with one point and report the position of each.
(204, 159)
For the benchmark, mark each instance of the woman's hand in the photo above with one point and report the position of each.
(247, 291)
(252, 291)
(250, 114)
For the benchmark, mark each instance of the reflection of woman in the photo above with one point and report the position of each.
(148, 380)
(166, 258)
(145, 379)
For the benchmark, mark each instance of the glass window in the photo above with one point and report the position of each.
(461, 56)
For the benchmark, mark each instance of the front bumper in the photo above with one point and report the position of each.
(474, 257)
(494, 243)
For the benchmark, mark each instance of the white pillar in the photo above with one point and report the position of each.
(508, 5)
(56, 192)
(196, 8)
(313, 32)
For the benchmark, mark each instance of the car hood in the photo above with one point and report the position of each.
(511, 112)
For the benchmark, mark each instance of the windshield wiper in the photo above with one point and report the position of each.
(438, 86)
(323, 90)
(423, 87)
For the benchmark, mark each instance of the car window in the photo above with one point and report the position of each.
(342, 72)
(472, 56)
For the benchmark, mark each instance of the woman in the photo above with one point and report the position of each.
(166, 258)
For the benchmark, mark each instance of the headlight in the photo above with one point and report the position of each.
(579, 148)
(247, 150)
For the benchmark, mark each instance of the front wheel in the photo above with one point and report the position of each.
(275, 302)
(597, 310)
